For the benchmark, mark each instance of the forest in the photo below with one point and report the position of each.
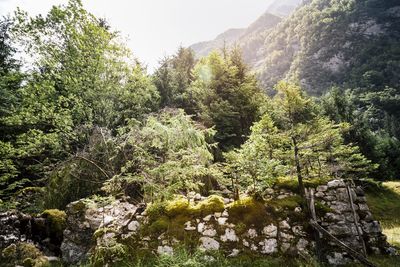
(82, 118)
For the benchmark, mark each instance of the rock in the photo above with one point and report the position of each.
(234, 253)
(189, 227)
(245, 243)
(359, 191)
(270, 230)
(333, 217)
(284, 225)
(269, 246)
(200, 227)
(297, 209)
(371, 227)
(222, 220)
(133, 226)
(252, 233)
(165, 250)
(302, 244)
(225, 213)
(208, 243)
(285, 246)
(207, 218)
(337, 258)
(363, 207)
(210, 232)
(285, 237)
(84, 217)
(298, 230)
(336, 183)
(229, 235)
(322, 188)
(217, 214)
(319, 194)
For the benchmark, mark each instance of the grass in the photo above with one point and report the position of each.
(384, 202)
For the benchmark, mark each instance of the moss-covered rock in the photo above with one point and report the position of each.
(56, 220)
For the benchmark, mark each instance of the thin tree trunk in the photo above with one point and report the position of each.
(298, 167)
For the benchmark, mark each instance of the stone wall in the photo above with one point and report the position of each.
(275, 227)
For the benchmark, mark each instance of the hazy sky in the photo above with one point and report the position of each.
(155, 28)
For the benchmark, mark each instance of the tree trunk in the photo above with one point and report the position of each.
(298, 167)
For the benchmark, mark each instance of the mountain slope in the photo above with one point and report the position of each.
(332, 42)
(250, 39)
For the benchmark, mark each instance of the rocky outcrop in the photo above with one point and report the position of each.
(278, 226)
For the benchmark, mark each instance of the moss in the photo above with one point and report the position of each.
(155, 210)
(111, 255)
(240, 228)
(27, 250)
(10, 251)
(292, 184)
(177, 206)
(56, 220)
(248, 211)
(157, 226)
(209, 205)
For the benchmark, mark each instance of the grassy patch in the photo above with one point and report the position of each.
(384, 202)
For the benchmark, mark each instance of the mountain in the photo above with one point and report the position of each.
(249, 39)
(322, 43)
(283, 8)
(334, 42)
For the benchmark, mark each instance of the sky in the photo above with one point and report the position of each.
(156, 28)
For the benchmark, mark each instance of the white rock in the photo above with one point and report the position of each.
(336, 183)
(252, 233)
(222, 220)
(270, 230)
(269, 246)
(207, 218)
(253, 247)
(107, 220)
(189, 227)
(200, 227)
(297, 209)
(210, 232)
(217, 214)
(246, 243)
(225, 213)
(133, 226)
(234, 253)
(165, 250)
(197, 196)
(208, 243)
(302, 244)
(229, 235)
(284, 225)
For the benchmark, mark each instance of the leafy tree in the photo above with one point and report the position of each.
(81, 78)
(227, 97)
(294, 138)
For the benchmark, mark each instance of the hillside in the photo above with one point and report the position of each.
(329, 42)
(249, 39)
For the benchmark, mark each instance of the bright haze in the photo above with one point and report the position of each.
(155, 28)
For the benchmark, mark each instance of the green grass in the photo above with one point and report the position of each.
(384, 202)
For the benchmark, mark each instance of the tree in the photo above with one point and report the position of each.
(293, 137)
(80, 77)
(173, 79)
(227, 97)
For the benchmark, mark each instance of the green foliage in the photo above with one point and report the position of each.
(169, 153)
(226, 96)
(294, 138)
(56, 219)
